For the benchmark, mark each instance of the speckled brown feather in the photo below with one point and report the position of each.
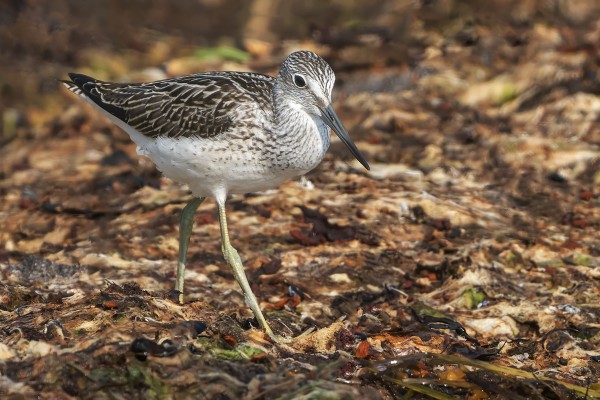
(203, 105)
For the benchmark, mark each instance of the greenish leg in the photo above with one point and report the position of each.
(185, 230)
(233, 259)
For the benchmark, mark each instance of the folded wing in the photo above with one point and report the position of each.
(203, 105)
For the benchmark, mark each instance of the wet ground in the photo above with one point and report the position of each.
(465, 264)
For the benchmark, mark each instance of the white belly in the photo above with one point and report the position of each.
(210, 168)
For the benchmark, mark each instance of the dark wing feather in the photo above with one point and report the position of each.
(203, 105)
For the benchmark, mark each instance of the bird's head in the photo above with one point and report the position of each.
(306, 80)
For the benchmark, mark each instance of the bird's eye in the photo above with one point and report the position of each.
(299, 81)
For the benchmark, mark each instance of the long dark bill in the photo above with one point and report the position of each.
(334, 123)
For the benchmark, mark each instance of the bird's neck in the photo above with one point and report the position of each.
(303, 137)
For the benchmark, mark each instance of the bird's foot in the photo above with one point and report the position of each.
(285, 340)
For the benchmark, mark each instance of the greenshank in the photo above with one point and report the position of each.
(226, 132)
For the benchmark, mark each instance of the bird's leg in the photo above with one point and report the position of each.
(185, 230)
(233, 259)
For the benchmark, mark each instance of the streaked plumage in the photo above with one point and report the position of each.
(190, 106)
(226, 132)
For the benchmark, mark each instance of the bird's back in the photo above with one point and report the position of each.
(205, 105)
